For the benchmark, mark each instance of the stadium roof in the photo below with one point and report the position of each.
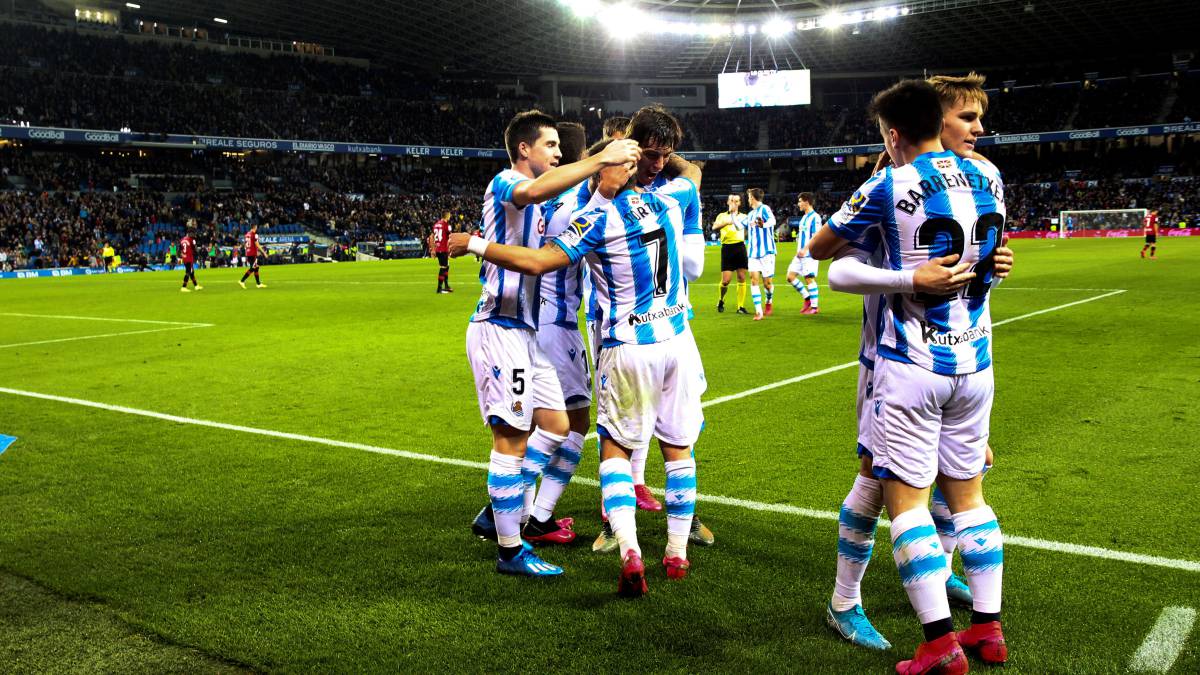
(538, 37)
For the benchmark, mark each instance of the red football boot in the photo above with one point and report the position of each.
(986, 641)
(942, 656)
(677, 568)
(646, 500)
(768, 309)
(552, 532)
(807, 306)
(633, 577)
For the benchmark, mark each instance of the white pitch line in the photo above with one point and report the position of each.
(1058, 547)
(1165, 641)
(189, 324)
(104, 335)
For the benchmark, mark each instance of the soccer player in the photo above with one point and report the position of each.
(1150, 229)
(253, 250)
(614, 128)
(761, 245)
(660, 169)
(964, 103)
(438, 240)
(731, 225)
(803, 266)
(559, 338)
(932, 391)
(187, 249)
(516, 385)
(640, 249)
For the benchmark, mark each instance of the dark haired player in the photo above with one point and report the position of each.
(253, 250)
(187, 251)
(933, 387)
(517, 387)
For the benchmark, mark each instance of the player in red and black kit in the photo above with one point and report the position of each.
(187, 251)
(440, 243)
(1150, 229)
(252, 252)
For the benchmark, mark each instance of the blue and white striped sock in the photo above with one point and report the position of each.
(505, 488)
(769, 291)
(616, 486)
(856, 540)
(813, 294)
(982, 548)
(944, 521)
(538, 450)
(922, 564)
(756, 296)
(557, 476)
(800, 287)
(680, 502)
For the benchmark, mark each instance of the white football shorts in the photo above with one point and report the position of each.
(651, 391)
(923, 423)
(564, 350)
(805, 267)
(512, 375)
(764, 265)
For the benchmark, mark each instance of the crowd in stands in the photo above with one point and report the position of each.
(82, 80)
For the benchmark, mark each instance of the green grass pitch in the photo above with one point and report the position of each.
(139, 544)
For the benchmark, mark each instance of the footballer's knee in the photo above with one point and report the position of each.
(552, 421)
(579, 420)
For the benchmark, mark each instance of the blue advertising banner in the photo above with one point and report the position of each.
(88, 136)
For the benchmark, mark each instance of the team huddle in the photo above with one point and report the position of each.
(615, 230)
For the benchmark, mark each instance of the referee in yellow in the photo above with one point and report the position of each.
(731, 224)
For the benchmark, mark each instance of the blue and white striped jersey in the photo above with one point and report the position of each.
(509, 298)
(760, 231)
(938, 205)
(809, 224)
(684, 191)
(632, 248)
(562, 290)
(870, 251)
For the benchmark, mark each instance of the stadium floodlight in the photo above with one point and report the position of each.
(623, 21)
(904, 11)
(133, 5)
(739, 29)
(831, 20)
(220, 20)
(584, 9)
(777, 27)
(890, 12)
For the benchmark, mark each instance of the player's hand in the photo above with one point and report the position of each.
(458, 244)
(942, 276)
(802, 253)
(884, 161)
(624, 151)
(1003, 259)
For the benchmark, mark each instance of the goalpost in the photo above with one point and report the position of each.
(1100, 223)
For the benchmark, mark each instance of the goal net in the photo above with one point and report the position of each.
(1101, 223)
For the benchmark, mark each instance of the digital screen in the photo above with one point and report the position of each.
(761, 88)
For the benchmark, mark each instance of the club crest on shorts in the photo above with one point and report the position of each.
(518, 409)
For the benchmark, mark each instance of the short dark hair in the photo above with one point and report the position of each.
(618, 123)
(525, 127)
(572, 139)
(757, 193)
(597, 148)
(807, 196)
(912, 107)
(655, 123)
